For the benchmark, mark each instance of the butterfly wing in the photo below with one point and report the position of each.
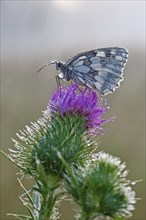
(101, 69)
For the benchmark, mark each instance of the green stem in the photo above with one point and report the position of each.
(47, 207)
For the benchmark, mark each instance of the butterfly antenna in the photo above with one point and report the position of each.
(46, 65)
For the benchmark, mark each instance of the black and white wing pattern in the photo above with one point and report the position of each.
(101, 69)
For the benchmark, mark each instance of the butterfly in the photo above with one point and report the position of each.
(100, 69)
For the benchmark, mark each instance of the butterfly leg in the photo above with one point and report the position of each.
(58, 81)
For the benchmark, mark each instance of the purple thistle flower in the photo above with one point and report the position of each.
(85, 103)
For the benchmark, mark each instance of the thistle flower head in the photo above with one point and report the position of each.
(101, 187)
(86, 103)
(63, 130)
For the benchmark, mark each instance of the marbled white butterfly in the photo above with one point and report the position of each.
(101, 69)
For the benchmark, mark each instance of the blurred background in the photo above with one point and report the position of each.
(35, 32)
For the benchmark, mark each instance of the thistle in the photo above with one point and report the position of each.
(58, 149)
(70, 117)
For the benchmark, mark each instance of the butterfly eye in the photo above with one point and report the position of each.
(58, 65)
